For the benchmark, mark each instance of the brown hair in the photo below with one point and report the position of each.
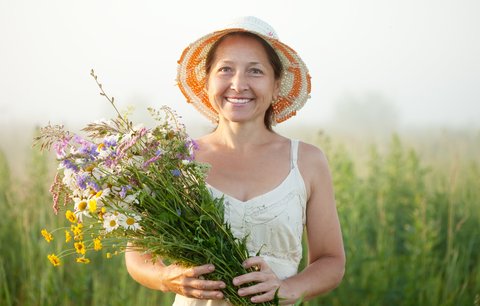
(273, 58)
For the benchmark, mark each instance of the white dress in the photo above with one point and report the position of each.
(274, 223)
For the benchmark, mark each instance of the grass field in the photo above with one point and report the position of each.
(409, 207)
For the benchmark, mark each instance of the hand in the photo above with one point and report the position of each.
(266, 281)
(190, 283)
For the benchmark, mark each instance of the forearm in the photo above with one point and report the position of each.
(143, 270)
(319, 277)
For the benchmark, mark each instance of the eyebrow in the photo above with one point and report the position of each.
(231, 62)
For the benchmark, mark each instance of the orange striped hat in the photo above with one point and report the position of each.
(295, 83)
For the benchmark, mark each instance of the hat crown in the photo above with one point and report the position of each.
(253, 24)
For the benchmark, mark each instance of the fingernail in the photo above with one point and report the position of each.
(222, 285)
(211, 268)
(235, 282)
(219, 295)
(240, 292)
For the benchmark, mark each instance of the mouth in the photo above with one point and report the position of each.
(238, 101)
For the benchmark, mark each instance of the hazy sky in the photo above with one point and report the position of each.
(423, 57)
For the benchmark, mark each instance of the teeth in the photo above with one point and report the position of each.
(238, 101)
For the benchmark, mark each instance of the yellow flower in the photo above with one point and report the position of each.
(83, 260)
(48, 237)
(101, 213)
(92, 205)
(77, 231)
(98, 194)
(68, 237)
(80, 247)
(54, 260)
(109, 255)
(82, 205)
(89, 168)
(71, 216)
(97, 244)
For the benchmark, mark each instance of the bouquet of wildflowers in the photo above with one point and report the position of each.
(124, 183)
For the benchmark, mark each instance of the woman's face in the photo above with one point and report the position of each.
(241, 84)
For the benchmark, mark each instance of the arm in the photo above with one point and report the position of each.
(326, 257)
(185, 281)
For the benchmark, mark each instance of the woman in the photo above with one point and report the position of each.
(244, 79)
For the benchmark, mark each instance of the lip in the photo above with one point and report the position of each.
(238, 100)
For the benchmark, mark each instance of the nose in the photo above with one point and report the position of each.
(239, 82)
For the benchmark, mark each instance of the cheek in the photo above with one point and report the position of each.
(212, 90)
(211, 86)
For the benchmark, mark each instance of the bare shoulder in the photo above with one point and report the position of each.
(204, 140)
(310, 156)
(313, 165)
(204, 147)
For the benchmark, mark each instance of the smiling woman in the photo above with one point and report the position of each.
(244, 79)
(241, 81)
(273, 60)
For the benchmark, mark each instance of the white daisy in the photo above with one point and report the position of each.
(136, 161)
(100, 196)
(98, 173)
(129, 222)
(111, 222)
(69, 179)
(131, 198)
(81, 208)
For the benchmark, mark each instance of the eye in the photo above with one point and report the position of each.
(256, 71)
(224, 69)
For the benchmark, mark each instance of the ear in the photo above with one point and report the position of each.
(206, 82)
(276, 90)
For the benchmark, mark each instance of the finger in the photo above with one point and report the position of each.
(259, 288)
(267, 296)
(206, 284)
(204, 294)
(256, 261)
(200, 270)
(256, 277)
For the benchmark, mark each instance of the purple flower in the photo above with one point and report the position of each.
(79, 139)
(70, 165)
(89, 149)
(123, 191)
(60, 147)
(110, 142)
(86, 148)
(82, 180)
(158, 155)
(193, 144)
(94, 185)
(176, 172)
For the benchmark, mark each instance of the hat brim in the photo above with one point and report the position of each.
(295, 84)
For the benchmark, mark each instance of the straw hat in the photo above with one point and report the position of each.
(294, 85)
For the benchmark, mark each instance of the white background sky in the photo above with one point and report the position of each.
(421, 56)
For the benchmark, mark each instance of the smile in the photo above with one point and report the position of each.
(238, 100)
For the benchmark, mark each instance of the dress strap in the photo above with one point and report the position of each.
(293, 153)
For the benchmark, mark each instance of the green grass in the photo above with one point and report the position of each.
(410, 220)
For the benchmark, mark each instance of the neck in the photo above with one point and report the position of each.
(241, 135)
